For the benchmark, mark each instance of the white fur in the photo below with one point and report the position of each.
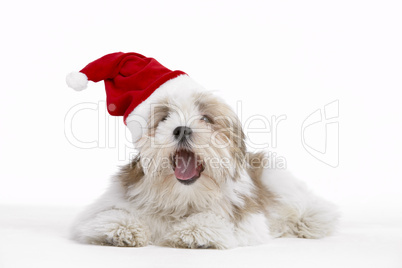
(203, 230)
(315, 216)
(111, 219)
(77, 81)
(178, 88)
(212, 212)
(253, 230)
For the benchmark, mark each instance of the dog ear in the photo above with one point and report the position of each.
(239, 151)
(226, 121)
(235, 133)
(240, 137)
(131, 173)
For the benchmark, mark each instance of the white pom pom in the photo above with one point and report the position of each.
(77, 81)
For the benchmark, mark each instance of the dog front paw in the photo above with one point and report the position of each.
(191, 239)
(126, 236)
(202, 231)
(113, 227)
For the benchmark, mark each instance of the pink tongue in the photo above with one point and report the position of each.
(186, 165)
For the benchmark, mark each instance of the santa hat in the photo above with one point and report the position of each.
(132, 82)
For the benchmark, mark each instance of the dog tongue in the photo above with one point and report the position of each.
(186, 165)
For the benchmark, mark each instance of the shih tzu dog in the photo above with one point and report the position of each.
(193, 183)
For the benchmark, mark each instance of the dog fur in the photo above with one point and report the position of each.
(240, 202)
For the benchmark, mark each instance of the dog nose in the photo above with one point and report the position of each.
(182, 132)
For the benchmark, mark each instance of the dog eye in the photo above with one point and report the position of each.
(206, 119)
(164, 118)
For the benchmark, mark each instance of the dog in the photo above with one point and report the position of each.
(194, 184)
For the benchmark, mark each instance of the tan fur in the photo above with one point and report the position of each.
(262, 196)
(225, 122)
(160, 112)
(285, 221)
(224, 119)
(131, 173)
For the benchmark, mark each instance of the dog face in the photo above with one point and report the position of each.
(192, 139)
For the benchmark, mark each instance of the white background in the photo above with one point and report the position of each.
(276, 57)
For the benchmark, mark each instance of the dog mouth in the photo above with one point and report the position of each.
(186, 166)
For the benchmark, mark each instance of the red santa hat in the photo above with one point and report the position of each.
(132, 83)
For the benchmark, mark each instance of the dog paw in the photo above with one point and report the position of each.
(195, 239)
(314, 222)
(113, 227)
(201, 231)
(126, 236)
